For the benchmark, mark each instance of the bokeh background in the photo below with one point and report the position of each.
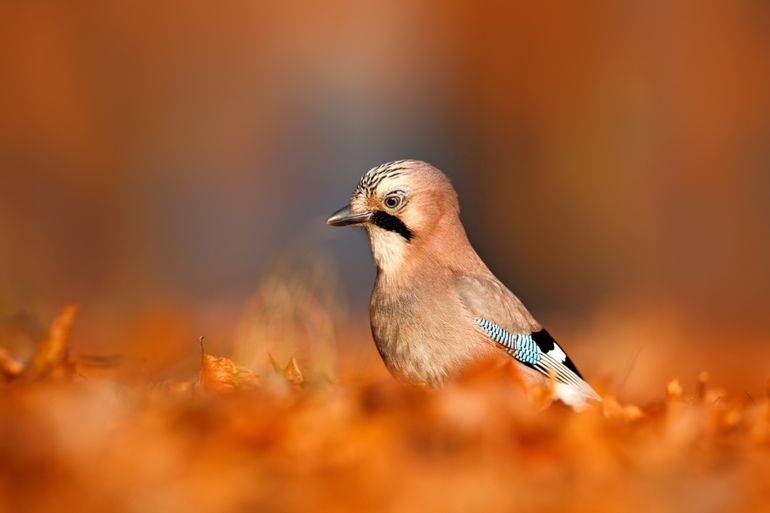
(159, 161)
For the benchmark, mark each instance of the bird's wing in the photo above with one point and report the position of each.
(502, 318)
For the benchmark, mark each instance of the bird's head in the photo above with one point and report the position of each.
(403, 205)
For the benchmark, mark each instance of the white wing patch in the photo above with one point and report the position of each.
(557, 354)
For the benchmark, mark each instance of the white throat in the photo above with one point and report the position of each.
(388, 249)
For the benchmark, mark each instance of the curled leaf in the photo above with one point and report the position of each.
(293, 373)
(221, 374)
(9, 367)
(52, 353)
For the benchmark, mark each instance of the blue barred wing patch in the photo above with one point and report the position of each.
(522, 347)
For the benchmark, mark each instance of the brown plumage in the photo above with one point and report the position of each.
(432, 290)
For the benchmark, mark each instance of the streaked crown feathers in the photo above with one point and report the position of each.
(372, 178)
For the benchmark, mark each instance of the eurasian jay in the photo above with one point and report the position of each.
(436, 307)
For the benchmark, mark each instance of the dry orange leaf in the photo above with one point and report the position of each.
(614, 409)
(293, 373)
(633, 412)
(52, 353)
(221, 374)
(674, 389)
(9, 366)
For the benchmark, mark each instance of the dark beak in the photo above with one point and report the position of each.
(345, 216)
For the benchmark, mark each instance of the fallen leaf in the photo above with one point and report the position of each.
(221, 374)
(52, 353)
(633, 412)
(9, 367)
(674, 389)
(293, 373)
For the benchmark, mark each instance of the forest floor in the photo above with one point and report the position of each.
(234, 440)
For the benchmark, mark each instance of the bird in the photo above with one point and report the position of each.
(436, 308)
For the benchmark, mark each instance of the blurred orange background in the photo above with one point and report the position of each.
(159, 160)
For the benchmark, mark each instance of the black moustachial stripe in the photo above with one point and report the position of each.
(546, 343)
(391, 223)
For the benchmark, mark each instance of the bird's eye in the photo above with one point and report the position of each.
(392, 201)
